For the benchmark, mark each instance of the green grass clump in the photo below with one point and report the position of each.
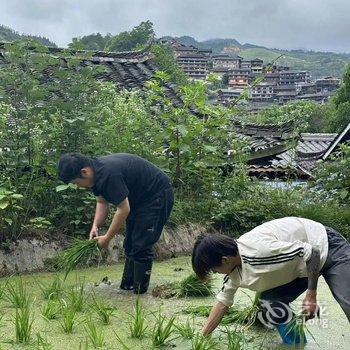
(186, 330)
(77, 296)
(103, 310)
(68, 318)
(79, 252)
(17, 295)
(95, 335)
(51, 310)
(42, 343)
(235, 340)
(191, 286)
(53, 290)
(200, 342)
(138, 327)
(162, 330)
(23, 324)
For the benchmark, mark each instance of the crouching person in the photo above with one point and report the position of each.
(281, 259)
(143, 197)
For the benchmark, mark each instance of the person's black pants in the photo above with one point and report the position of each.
(336, 272)
(145, 224)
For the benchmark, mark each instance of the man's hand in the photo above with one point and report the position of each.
(310, 307)
(103, 241)
(93, 232)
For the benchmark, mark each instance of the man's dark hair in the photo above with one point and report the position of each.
(70, 165)
(208, 252)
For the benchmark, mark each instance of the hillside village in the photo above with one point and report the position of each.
(266, 82)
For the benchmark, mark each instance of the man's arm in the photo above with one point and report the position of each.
(122, 212)
(102, 209)
(217, 313)
(313, 270)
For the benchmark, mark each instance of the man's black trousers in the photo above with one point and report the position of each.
(144, 226)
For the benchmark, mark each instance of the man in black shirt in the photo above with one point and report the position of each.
(143, 196)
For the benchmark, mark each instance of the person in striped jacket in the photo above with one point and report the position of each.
(281, 259)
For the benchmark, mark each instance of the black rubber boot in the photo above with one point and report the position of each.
(142, 275)
(128, 275)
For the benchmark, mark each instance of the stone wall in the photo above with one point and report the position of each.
(29, 255)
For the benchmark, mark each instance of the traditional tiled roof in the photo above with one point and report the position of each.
(128, 69)
(299, 158)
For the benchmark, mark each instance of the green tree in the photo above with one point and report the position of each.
(342, 103)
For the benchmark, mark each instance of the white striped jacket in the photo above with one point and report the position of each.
(273, 254)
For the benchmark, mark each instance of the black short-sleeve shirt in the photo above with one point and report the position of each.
(122, 175)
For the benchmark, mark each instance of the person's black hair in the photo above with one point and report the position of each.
(208, 252)
(70, 165)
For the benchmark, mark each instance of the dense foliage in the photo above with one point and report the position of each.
(50, 105)
(124, 41)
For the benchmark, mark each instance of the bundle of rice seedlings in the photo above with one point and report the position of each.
(80, 252)
(297, 329)
(192, 286)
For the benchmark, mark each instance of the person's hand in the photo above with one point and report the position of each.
(103, 241)
(310, 307)
(93, 232)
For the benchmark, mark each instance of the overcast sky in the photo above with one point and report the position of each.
(292, 24)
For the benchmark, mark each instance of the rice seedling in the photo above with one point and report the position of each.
(77, 296)
(23, 324)
(68, 318)
(199, 342)
(186, 330)
(80, 252)
(104, 311)
(84, 345)
(95, 335)
(138, 327)
(235, 340)
(53, 290)
(51, 310)
(42, 343)
(203, 310)
(123, 345)
(192, 286)
(162, 331)
(17, 294)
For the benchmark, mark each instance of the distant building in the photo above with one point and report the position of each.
(293, 76)
(285, 93)
(329, 84)
(225, 96)
(321, 97)
(305, 88)
(239, 78)
(226, 61)
(195, 65)
(263, 91)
